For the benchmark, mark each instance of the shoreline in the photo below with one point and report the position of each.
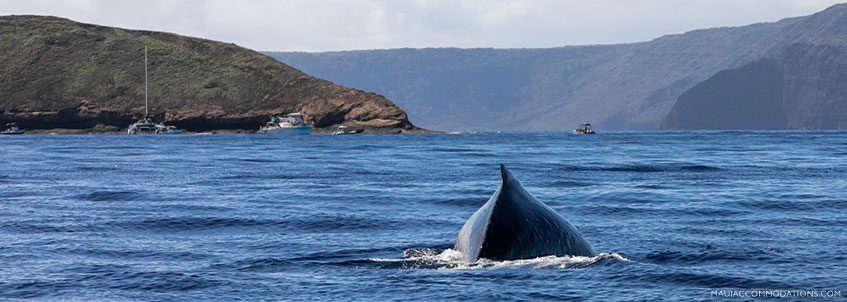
(318, 131)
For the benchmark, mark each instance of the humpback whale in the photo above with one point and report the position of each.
(513, 224)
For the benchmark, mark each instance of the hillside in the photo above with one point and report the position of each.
(62, 74)
(626, 86)
(801, 88)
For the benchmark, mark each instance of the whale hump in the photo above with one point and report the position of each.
(513, 224)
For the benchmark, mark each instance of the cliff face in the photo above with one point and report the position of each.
(801, 88)
(62, 74)
(748, 97)
(627, 86)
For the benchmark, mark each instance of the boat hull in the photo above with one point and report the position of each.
(286, 131)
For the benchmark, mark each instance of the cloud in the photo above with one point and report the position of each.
(320, 25)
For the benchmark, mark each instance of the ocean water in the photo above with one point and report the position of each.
(676, 215)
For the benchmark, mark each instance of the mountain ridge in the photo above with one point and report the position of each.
(617, 86)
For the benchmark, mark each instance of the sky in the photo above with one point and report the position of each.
(327, 25)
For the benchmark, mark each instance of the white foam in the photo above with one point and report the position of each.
(450, 259)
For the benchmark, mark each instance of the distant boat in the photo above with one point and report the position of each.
(584, 129)
(347, 130)
(162, 129)
(12, 128)
(143, 126)
(146, 125)
(291, 124)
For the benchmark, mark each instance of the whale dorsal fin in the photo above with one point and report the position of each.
(505, 174)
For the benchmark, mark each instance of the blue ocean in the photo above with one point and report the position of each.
(674, 215)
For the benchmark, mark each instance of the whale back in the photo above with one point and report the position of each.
(513, 224)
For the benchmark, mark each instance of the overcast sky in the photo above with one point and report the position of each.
(322, 25)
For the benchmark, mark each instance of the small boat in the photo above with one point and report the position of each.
(12, 128)
(146, 125)
(585, 128)
(347, 130)
(292, 123)
(162, 129)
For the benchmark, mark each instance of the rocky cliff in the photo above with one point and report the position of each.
(626, 86)
(57, 73)
(803, 87)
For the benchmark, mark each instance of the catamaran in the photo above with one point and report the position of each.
(146, 125)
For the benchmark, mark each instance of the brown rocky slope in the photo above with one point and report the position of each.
(57, 73)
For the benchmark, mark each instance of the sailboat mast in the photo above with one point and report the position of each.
(145, 82)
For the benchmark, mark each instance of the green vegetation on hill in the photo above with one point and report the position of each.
(62, 74)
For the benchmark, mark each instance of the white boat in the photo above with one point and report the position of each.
(584, 129)
(292, 123)
(162, 129)
(146, 125)
(347, 130)
(12, 128)
(143, 126)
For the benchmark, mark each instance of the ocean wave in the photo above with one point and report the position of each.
(97, 168)
(713, 255)
(323, 223)
(112, 196)
(641, 168)
(34, 226)
(453, 150)
(262, 160)
(185, 224)
(702, 280)
(570, 184)
(661, 211)
(268, 176)
(462, 202)
(449, 259)
(158, 281)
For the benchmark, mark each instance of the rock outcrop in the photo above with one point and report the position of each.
(57, 73)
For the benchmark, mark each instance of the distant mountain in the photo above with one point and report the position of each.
(57, 73)
(626, 86)
(804, 87)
